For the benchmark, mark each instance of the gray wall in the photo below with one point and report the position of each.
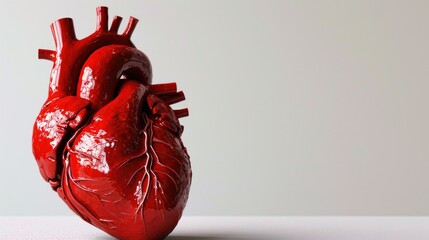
(297, 107)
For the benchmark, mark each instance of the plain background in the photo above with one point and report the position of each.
(296, 107)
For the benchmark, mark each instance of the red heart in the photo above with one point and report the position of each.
(107, 139)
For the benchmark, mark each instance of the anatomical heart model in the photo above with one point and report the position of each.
(106, 139)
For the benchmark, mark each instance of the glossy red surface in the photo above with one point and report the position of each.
(106, 138)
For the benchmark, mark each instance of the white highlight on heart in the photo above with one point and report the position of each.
(88, 83)
(52, 126)
(93, 145)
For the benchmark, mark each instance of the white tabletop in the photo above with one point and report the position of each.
(229, 228)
